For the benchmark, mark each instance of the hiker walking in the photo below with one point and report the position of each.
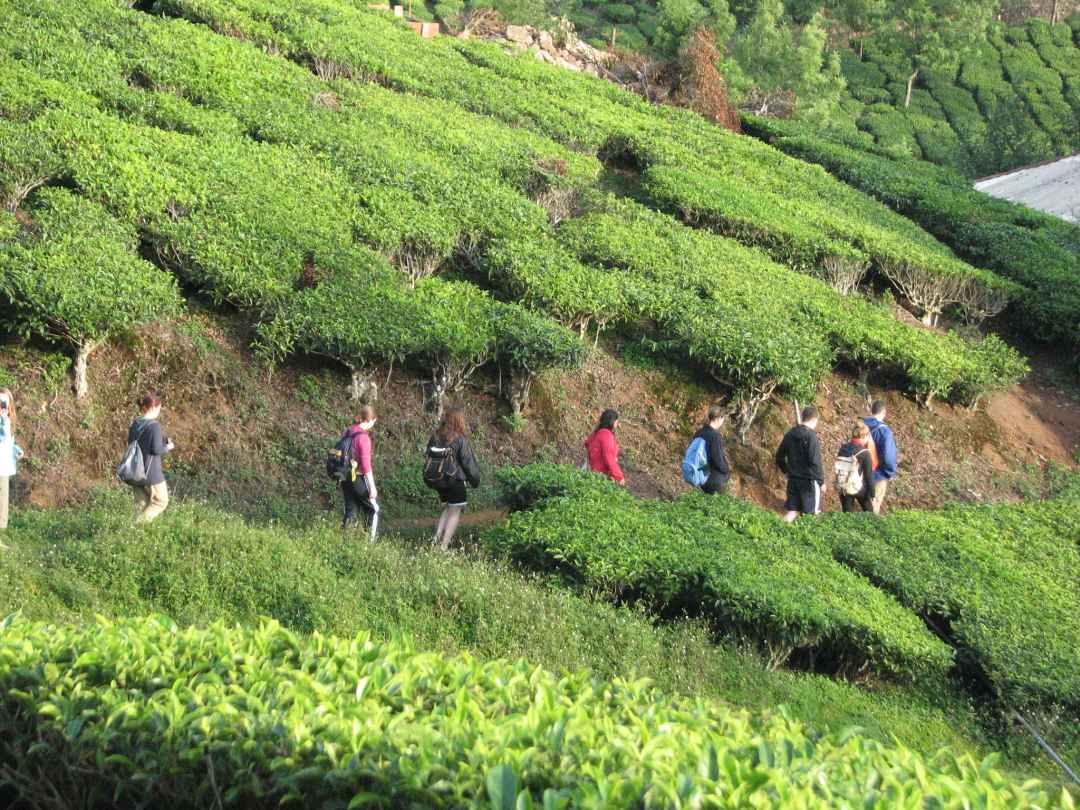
(854, 470)
(449, 468)
(885, 446)
(705, 464)
(151, 497)
(799, 458)
(359, 493)
(603, 448)
(10, 453)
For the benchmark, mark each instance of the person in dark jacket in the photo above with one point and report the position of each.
(602, 448)
(360, 494)
(885, 445)
(152, 498)
(451, 440)
(719, 469)
(799, 458)
(859, 448)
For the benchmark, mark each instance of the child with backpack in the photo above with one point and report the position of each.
(353, 469)
(705, 464)
(854, 470)
(449, 468)
(799, 458)
(141, 466)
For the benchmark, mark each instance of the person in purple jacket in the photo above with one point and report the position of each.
(885, 444)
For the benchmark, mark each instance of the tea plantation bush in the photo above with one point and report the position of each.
(70, 272)
(1015, 100)
(264, 167)
(1034, 249)
(722, 559)
(1002, 582)
(141, 711)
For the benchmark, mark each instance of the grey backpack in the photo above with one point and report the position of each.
(132, 469)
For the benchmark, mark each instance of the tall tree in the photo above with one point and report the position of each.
(861, 17)
(935, 33)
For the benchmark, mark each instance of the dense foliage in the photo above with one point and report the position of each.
(142, 711)
(282, 170)
(1036, 250)
(1012, 100)
(1002, 582)
(70, 271)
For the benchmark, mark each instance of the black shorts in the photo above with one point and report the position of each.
(453, 494)
(803, 496)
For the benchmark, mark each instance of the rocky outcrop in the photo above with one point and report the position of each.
(572, 54)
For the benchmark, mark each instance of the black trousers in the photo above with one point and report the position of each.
(847, 502)
(358, 506)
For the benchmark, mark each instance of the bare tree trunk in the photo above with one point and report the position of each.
(1054, 13)
(910, 87)
(82, 361)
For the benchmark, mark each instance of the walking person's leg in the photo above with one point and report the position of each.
(370, 510)
(5, 494)
(847, 502)
(348, 504)
(452, 515)
(793, 501)
(880, 487)
(141, 497)
(158, 501)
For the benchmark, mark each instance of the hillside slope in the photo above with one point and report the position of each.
(319, 162)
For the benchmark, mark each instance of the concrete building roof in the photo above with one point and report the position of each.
(1051, 187)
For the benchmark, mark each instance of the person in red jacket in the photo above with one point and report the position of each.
(603, 448)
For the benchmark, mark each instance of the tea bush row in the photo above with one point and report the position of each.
(789, 337)
(1034, 249)
(725, 560)
(142, 711)
(999, 582)
(383, 182)
(1015, 100)
(199, 565)
(526, 94)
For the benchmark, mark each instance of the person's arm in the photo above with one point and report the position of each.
(717, 457)
(866, 464)
(155, 442)
(816, 468)
(610, 449)
(364, 465)
(468, 464)
(888, 460)
(782, 455)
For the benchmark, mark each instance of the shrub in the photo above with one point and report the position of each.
(319, 721)
(73, 275)
(726, 560)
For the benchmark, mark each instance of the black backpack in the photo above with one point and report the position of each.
(339, 459)
(440, 466)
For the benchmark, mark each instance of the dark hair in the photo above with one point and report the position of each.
(877, 407)
(715, 412)
(451, 425)
(608, 419)
(365, 414)
(149, 401)
(809, 414)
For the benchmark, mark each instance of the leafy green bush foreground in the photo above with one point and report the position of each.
(142, 712)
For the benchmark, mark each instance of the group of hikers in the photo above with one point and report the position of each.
(864, 466)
